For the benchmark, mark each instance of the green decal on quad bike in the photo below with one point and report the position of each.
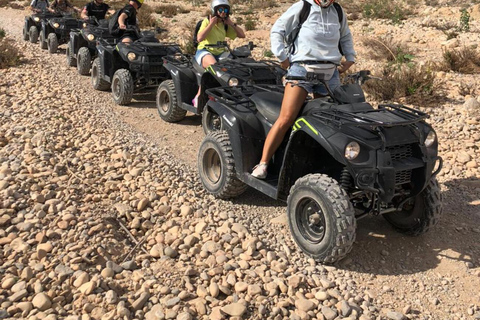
(298, 126)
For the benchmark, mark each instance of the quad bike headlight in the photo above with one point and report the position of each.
(233, 82)
(430, 139)
(36, 19)
(352, 150)
(90, 37)
(131, 56)
(56, 25)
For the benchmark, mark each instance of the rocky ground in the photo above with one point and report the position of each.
(102, 216)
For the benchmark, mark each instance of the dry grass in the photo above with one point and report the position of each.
(388, 49)
(189, 28)
(394, 10)
(263, 4)
(145, 17)
(412, 83)
(351, 8)
(9, 54)
(170, 10)
(464, 60)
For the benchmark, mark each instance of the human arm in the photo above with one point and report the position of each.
(346, 43)
(84, 14)
(281, 28)
(238, 30)
(206, 27)
(121, 20)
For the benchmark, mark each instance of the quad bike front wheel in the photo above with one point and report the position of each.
(167, 106)
(43, 42)
(122, 87)
(321, 218)
(98, 82)
(33, 34)
(216, 166)
(211, 121)
(25, 34)
(418, 214)
(84, 60)
(52, 43)
(71, 61)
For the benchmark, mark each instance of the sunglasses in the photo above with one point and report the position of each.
(222, 10)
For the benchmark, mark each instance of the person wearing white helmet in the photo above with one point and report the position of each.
(320, 37)
(215, 28)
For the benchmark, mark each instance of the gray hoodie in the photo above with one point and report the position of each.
(318, 38)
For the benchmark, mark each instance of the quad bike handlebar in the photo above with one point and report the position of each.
(239, 52)
(360, 77)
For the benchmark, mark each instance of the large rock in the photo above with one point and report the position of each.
(42, 302)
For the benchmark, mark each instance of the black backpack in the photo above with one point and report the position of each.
(304, 13)
(195, 32)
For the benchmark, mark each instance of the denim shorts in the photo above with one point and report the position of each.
(202, 53)
(296, 69)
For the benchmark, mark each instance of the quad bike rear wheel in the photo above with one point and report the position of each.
(84, 60)
(321, 218)
(43, 42)
(33, 34)
(52, 43)
(419, 214)
(216, 166)
(167, 106)
(97, 77)
(211, 121)
(122, 87)
(71, 61)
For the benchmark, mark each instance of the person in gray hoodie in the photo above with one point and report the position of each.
(317, 44)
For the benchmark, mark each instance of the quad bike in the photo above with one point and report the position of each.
(82, 46)
(33, 24)
(131, 68)
(342, 160)
(56, 31)
(235, 67)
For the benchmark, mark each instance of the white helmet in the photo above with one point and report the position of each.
(324, 3)
(220, 3)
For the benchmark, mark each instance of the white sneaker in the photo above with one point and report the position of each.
(260, 171)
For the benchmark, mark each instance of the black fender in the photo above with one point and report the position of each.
(76, 42)
(185, 82)
(311, 139)
(246, 135)
(28, 23)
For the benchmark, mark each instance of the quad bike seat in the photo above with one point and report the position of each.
(268, 105)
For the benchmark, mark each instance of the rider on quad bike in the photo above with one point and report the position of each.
(38, 6)
(127, 16)
(97, 9)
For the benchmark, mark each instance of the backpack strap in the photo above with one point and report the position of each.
(304, 13)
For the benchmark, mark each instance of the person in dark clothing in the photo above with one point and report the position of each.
(39, 5)
(62, 6)
(97, 9)
(127, 16)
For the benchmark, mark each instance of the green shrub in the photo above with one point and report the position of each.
(464, 21)
(2, 33)
(9, 54)
(250, 24)
(268, 53)
(386, 9)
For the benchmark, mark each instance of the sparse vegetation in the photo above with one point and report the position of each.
(250, 24)
(9, 54)
(386, 9)
(170, 10)
(464, 21)
(268, 54)
(464, 60)
(145, 17)
(387, 48)
(263, 4)
(412, 83)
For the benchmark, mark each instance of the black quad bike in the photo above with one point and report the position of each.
(33, 25)
(236, 67)
(131, 68)
(82, 46)
(342, 160)
(56, 31)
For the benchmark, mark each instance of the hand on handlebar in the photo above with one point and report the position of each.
(122, 26)
(344, 66)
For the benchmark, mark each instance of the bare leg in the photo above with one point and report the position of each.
(207, 61)
(292, 102)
